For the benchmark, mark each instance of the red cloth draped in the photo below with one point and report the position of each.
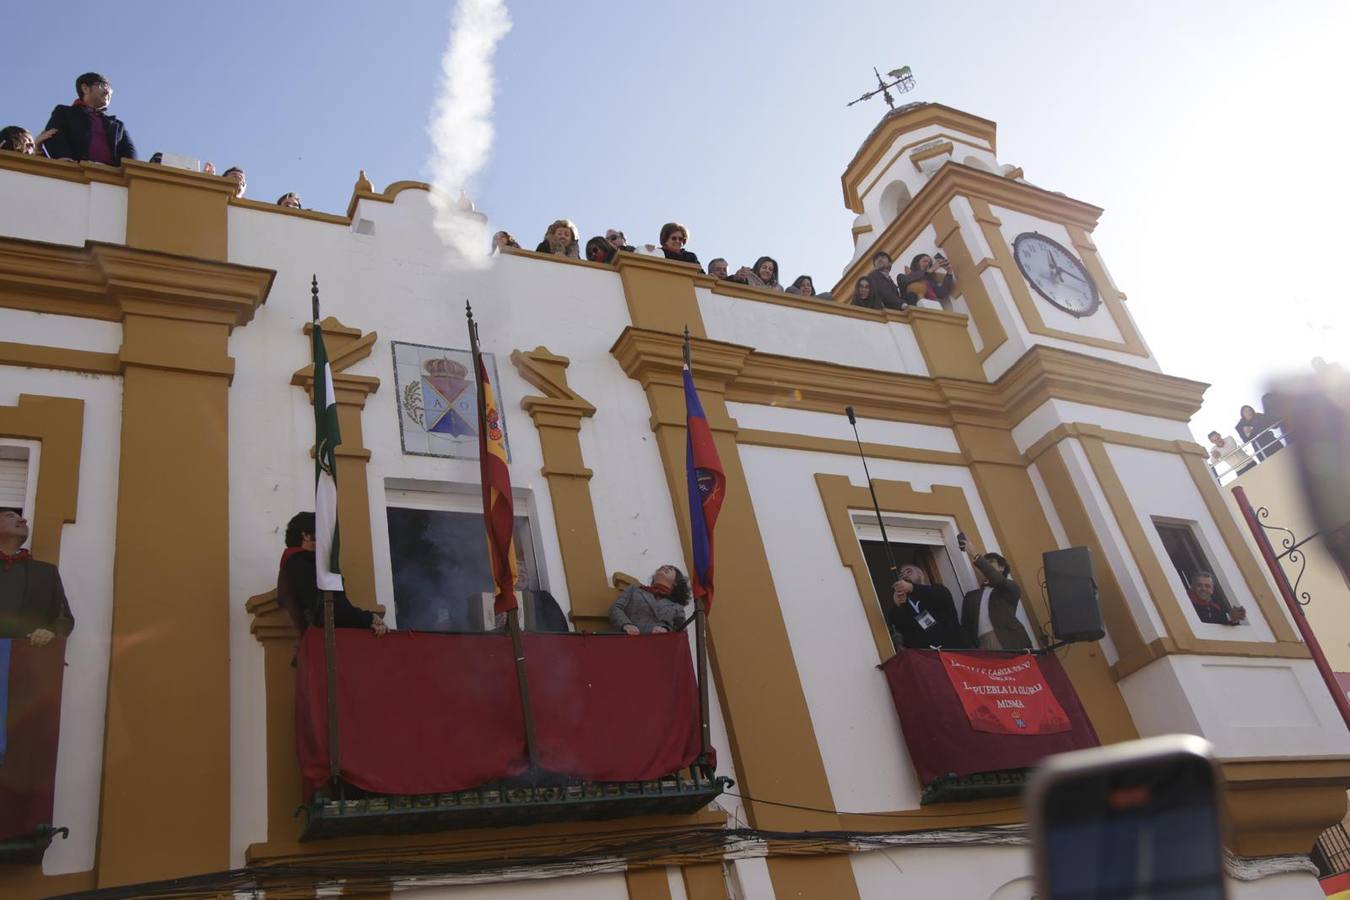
(939, 735)
(28, 776)
(430, 713)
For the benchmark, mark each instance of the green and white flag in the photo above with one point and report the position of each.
(327, 436)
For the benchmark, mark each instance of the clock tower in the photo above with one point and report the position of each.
(928, 179)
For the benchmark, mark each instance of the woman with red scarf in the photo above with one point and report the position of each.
(654, 608)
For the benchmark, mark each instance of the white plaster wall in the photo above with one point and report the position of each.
(819, 424)
(811, 334)
(970, 873)
(1099, 324)
(1112, 540)
(37, 208)
(892, 166)
(1045, 417)
(851, 708)
(1246, 707)
(44, 329)
(1158, 484)
(87, 573)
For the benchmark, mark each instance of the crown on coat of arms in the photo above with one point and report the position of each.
(444, 366)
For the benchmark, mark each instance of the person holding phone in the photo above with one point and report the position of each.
(993, 615)
(926, 278)
(922, 616)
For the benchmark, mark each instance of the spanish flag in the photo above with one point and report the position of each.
(498, 511)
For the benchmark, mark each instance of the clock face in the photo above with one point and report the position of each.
(1056, 274)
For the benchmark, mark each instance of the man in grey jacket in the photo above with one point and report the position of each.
(993, 615)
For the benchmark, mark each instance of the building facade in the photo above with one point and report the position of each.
(154, 374)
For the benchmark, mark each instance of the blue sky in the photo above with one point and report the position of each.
(1212, 133)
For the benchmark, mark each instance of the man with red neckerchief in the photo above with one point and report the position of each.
(84, 130)
(32, 599)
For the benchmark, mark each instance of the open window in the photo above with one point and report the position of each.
(18, 474)
(1189, 558)
(925, 541)
(439, 559)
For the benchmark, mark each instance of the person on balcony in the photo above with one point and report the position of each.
(882, 293)
(616, 239)
(719, 268)
(501, 240)
(561, 239)
(654, 608)
(1257, 428)
(548, 615)
(993, 615)
(298, 590)
(84, 130)
(18, 139)
(763, 274)
(926, 278)
(921, 615)
(1208, 607)
(862, 292)
(236, 174)
(33, 603)
(803, 286)
(599, 250)
(674, 237)
(1227, 452)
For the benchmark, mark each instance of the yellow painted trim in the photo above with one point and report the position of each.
(876, 144)
(33, 356)
(945, 148)
(963, 140)
(557, 416)
(1281, 806)
(812, 444)
(983, 311)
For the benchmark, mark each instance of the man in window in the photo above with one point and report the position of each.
(993, 615)
(33, 603)
(298, 590)
(1208, 607)
(923, 615)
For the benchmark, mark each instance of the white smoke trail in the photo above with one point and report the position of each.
(461, 126)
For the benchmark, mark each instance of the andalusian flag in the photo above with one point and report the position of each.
(327, 436)
(498, 511)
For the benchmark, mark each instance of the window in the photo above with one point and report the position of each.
(1188, 557)
(18, 474)
(438, 556)
(926, 543)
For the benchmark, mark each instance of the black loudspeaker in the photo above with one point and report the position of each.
(1075, 614)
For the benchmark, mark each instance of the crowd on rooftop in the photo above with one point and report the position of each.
(84, 131)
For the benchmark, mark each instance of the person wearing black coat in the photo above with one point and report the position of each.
(673, 238)
(74, 126)
(1255, 427)
(298, 590)
(883, 293)
(922, 615)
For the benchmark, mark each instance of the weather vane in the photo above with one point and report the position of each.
(903, 82)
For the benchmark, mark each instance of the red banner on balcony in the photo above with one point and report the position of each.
(1005, 695)
(426, 713)
(33, 727)
(939, 734)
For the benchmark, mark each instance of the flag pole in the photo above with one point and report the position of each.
(700, 640)
(329, 632)
(513, 615)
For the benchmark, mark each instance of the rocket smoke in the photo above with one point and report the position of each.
(461, 125)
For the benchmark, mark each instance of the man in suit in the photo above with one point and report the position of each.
(84, 130)
(993, 615)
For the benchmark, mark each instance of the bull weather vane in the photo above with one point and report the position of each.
(902, 81)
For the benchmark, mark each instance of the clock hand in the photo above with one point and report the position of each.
(1073, 276)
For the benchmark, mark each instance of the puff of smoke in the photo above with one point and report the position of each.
(461, 125)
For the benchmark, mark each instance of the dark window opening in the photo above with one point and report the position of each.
(441, 570)
(1187, 557)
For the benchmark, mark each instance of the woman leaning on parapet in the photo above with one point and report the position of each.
(654, 608)
(561, 239)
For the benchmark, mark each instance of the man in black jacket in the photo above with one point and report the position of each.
(923, 615)
(297, 587)
(885, 294)
(84, 130)
(33, 603)
(993, 615)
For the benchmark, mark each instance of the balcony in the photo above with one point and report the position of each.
(431, 733)
(977, 721)
(32, 731)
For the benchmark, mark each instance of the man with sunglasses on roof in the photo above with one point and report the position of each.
(84, 130)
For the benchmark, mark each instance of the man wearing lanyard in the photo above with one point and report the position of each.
(922, 615)
(33, 603)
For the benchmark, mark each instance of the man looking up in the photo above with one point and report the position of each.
(84, 130)
(32, 600)
(923, 615)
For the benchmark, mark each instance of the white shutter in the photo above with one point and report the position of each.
(13, 482)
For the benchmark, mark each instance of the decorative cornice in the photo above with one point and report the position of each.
(898, 122)
(547, 372)
(181, 287)
(1043, 373)
(346, 347)
(656, 357)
